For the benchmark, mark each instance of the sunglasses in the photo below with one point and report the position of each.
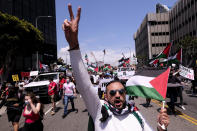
(113, 92)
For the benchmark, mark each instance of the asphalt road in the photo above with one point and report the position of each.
(183, 120)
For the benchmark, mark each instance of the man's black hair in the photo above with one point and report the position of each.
(113, 81)
(51, 78)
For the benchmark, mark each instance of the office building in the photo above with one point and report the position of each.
(183, 21)
(35, 12)
(153, 34)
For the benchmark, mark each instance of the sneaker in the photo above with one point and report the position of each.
(64, 115)
(52, 113)
(183, 107)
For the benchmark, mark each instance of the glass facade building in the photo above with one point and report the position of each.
(31, 11)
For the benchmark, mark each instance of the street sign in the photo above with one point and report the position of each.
(15, 77)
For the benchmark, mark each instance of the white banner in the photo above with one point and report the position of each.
(33, 73)
(186, 72)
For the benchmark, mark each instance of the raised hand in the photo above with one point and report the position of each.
(71, 28)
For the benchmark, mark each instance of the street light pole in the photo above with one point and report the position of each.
(37, 57)
(41, 17)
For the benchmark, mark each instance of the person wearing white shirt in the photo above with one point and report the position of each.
(69, 92)
(113, 113)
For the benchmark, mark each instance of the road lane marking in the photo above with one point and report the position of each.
(50, 108)
(182, 115)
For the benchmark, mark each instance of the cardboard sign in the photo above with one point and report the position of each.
(186, 72)
(15, 77)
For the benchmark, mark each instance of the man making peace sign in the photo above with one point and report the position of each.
(113, 113)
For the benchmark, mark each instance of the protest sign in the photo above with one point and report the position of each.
(186, 72)
(33, 73)
(15, 77)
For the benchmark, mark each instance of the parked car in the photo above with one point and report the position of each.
(40, 84)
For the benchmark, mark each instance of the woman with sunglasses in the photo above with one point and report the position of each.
(113, 113)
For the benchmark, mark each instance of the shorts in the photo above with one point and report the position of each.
(14, 115)
(52, 98)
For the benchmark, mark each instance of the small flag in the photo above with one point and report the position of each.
(96, 69)
(1, 71)
(177, 57)
(40, 64)
(86, 57)
(154, 61)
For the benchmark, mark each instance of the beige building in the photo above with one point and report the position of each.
(153, 34)
(183, 20)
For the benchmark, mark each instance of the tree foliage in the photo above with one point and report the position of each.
(60, 61)
(189, 46)
(16, 37)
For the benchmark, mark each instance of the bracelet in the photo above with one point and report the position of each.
(74, 48)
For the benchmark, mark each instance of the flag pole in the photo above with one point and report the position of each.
(169, 51)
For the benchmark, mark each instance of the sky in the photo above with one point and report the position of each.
(105, 25)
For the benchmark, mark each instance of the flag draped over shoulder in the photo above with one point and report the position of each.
(148, 87)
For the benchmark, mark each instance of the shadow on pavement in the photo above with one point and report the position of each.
(146, 105)
(57, 109)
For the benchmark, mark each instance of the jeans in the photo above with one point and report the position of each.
(71, 98)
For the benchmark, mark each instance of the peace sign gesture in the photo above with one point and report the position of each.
(71, 28)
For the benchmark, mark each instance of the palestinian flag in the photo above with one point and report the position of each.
(106, 68)
(91, 69)
(165, 52)
(149, 87)
(40, 65)
(177, 58)
(154, 61)
(96, 69)
(86, 58)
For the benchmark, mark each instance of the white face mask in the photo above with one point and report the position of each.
(26, 102)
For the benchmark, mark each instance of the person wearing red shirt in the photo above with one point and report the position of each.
(52, 92)
(62, 81)
(33, 113)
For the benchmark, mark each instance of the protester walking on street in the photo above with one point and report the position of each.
(14, 103)
(62, 81)
(33, 113)
(52, 90)
(112, 113)
(69, 92)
